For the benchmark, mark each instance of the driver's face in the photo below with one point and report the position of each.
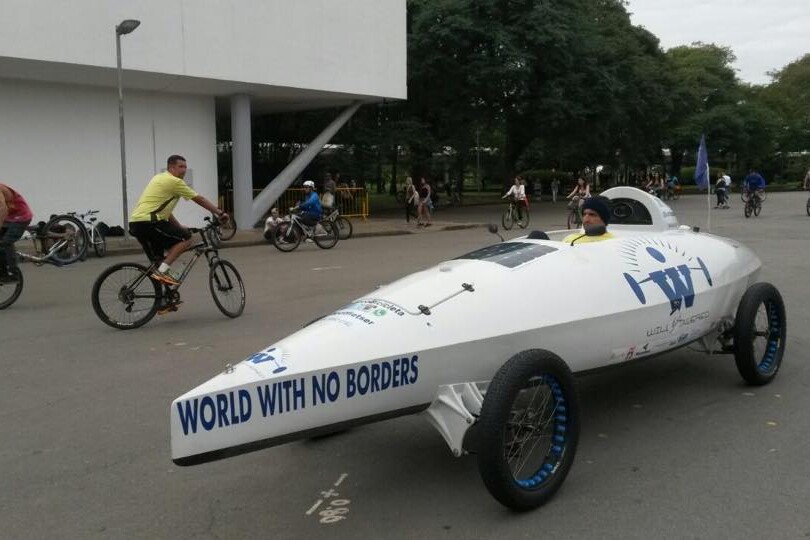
(178, 169)
(591, 218)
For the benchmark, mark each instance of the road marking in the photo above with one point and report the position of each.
(314, 507)
(341, 479)
(327, 268)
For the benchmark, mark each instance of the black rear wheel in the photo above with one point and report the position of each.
(808, 207)
(325, 235)
(11, 290)
(529, 429)
(344, 228)
(67, 239)
(227, 288)
(125, 297)
(759, 334)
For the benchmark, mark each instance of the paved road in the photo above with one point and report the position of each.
(673, 448)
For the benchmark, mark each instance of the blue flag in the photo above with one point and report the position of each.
(702, 165)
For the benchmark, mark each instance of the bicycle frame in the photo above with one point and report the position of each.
(40, 258)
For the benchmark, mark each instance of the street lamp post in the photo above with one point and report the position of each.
(125, 27)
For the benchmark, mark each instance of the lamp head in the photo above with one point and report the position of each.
(127, 26)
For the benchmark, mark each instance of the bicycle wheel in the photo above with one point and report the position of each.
(66, 239)
(227, 230)
(9, 292)
(749, 206)
(227, 288)
(99, 244)
(507, 220)
(523, 221)
(286, 237)
(574, 220)
(757, 207)
(326, 234)
(344, 228)
(125, 297)
(808, 207)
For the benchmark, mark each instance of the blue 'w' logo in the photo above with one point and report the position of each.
(675, 282)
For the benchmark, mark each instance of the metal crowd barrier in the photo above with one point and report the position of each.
(352, 202)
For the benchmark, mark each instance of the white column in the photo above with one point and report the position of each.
(242, 160)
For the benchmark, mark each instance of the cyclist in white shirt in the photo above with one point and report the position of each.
(518, 193)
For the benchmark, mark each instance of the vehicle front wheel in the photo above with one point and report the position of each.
(759, 334)
(529, 429)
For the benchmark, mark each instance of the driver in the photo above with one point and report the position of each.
(310, 207)
(595, 218)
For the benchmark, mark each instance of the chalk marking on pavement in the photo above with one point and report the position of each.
(341, 479)
(327, 268)
(314, 507)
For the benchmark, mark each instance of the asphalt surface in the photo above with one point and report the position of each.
(675, 447)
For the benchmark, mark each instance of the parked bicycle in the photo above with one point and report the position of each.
(288, 234)
(512, 215)
(753, 202)
(125, 296)
(94, 234)
(60, 241)
(344, 226)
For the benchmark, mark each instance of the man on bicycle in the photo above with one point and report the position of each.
(15, 215)
(310, 208)
(153, 224)
(754, 184)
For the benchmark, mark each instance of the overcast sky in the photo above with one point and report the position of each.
(764, 34)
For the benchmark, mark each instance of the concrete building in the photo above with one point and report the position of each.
(188, 61)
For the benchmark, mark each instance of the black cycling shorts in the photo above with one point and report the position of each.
(157, 237)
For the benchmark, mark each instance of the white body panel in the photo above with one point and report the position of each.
(592, 304)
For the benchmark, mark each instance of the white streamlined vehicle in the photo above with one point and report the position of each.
(498, 386)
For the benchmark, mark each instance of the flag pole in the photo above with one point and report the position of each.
(708, 200)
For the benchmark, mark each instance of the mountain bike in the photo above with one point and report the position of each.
(288, 234)
(753, 202)
(59, 242)
(125, 296)
(344, 226)
(94, 234)
(511, 216)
